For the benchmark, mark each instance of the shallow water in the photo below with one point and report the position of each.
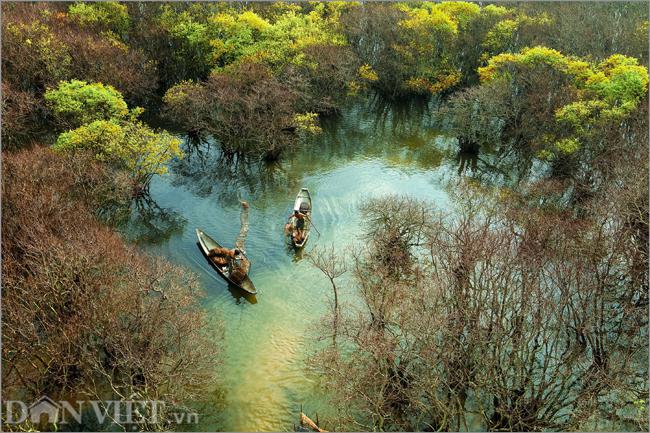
(369, 150)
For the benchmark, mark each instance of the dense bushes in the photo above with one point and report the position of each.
(246, 108)
(76, 102)
(82, 312)
(321, 52)
(42, 45)
(104, 125)
(511, 316)
(549, 105)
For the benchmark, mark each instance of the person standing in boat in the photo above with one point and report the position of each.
(238, 264)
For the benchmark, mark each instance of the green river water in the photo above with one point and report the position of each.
(369, 150)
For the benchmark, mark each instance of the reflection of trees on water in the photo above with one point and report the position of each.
(467, 161)
(403, 133)
(151, 223)
(399, 117)
(398, 131)
(376, 128)
(207, 172)
(498, 167)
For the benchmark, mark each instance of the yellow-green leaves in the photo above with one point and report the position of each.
(529, 57)
(605, 93)
(367, 73)
(179, 93)
(460, 12)
(611, 90)
(127, 145)
(501, 35)
(577, 114)
(104, 125)
(619, 80)
(38, 42)
(433, 85)
(567, 146)
(108, 15)
(77, 102)
(244, 36)
(94, 135)
(506, 33)
(253, 21)
(430, 31)
(307, 122)
(430, 21)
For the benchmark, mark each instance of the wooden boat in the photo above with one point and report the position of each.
(303, 205)
(206, 243)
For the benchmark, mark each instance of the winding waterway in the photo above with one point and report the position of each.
(369, 150)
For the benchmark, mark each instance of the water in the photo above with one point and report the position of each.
(369, 150)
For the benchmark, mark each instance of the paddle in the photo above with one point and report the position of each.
(312, 224)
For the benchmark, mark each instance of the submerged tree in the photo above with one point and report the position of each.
(520, 315)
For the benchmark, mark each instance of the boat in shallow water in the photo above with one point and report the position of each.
(206, 243)
(303, 205)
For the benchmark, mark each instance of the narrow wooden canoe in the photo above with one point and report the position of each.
(206, 243)
(302, 204)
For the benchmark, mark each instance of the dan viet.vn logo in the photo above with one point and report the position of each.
(45, 411)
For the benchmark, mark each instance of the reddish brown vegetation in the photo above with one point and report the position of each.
(83, 314)
(517, 315)
(247, 109)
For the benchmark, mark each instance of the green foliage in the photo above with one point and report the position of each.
(501, 35)
(127, 145)
(619, 80)
(193, 37)
(502, 65)
(430, 32)
(508, 34)
(461, 12)
(367, 73)
(104, 125)
(494, 11)
(322, 52)
(611, 91)
(235, 35)
(246, 35)
(567, 146)
(598, 96)
(180, 93)
(77, 102)
(107, 15)
(576, 113)
(439, 45)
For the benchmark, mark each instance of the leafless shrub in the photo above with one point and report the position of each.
(85, 316)
(523, 316)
